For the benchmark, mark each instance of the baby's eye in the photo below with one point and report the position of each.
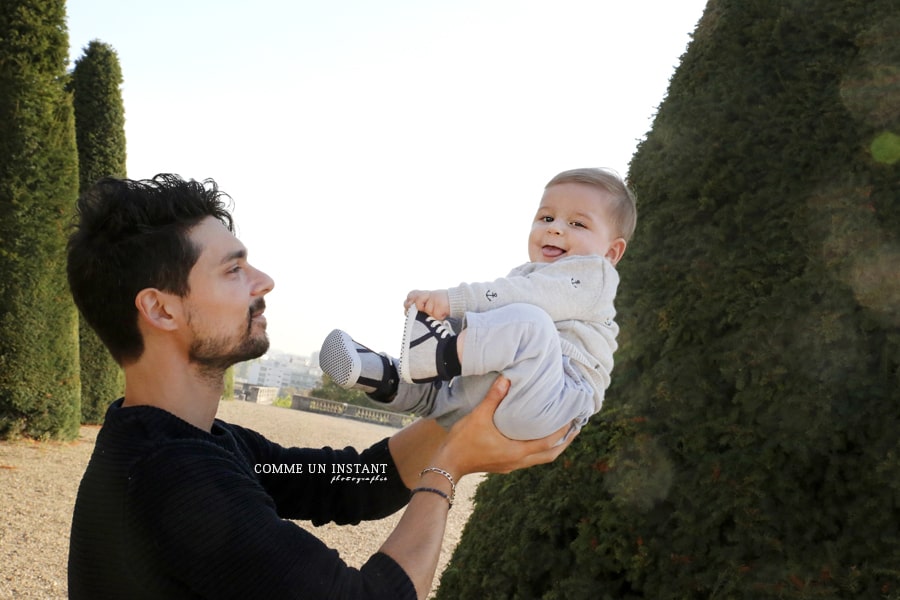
(577, 224)
(547, 219)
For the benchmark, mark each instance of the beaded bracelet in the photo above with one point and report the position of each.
(433, 491)
(445, 474)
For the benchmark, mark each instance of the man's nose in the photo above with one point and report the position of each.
(264, 283)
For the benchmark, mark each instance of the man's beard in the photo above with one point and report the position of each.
(214, 355)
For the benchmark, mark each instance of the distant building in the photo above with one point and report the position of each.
(256, 393)
(282, 371)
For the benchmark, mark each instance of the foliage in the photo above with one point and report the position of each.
(748, 445)
(100, 134)
(228, 389)
(283, 402)
(39, 380)
(329, 390)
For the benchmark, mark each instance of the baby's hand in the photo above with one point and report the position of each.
(434, 303)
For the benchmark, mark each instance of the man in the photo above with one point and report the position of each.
(177, 504)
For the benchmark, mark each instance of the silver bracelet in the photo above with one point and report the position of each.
(445, 474)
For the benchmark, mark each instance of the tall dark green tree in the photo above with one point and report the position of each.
(748, 446)
(100, 133)
(39, 382)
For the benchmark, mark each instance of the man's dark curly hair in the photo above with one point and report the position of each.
(130, 235)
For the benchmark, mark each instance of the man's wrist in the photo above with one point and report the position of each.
(439, 479)
(446, 475)
(435, 491)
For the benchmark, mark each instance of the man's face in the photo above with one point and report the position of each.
(225, 304)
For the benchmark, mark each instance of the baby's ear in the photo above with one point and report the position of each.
(158, 309)
(616, 250)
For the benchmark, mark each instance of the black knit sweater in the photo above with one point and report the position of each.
(166, 510)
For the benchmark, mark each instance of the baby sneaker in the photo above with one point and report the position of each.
(429, 349)
(355, 367)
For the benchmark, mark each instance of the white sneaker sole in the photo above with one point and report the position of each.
(338, 358)
(404, 349)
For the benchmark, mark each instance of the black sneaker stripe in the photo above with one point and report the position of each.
(420, 340)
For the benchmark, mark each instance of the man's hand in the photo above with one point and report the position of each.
(475, 445)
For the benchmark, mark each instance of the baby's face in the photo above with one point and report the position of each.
(572, 220)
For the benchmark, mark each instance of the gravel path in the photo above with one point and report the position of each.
(39, 480)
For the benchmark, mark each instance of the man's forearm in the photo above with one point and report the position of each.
(417, 540)
(413, 446)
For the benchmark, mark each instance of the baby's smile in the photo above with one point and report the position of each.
(552, 251)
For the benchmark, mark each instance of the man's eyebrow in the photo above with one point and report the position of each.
(235, 255)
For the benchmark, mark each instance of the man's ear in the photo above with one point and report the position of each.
(158, 309)
(616, 250)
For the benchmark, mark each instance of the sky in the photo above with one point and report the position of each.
(375, 147)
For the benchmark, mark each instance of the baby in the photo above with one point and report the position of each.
(547, 326)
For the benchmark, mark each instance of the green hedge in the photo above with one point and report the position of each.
(748, 446)
(100, 133)
(39, 381)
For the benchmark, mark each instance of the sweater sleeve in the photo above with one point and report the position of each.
(209, 528)
(568, 289)
(326, 485)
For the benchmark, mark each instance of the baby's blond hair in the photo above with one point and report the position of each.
(623, 208)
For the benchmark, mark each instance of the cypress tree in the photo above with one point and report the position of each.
(228, 390)
(39, 382)
(100, 133)
(748, 444)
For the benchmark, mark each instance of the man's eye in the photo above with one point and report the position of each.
(234, 269)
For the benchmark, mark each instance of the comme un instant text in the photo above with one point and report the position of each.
(320, 469)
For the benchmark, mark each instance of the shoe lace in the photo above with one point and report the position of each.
(440, 328)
